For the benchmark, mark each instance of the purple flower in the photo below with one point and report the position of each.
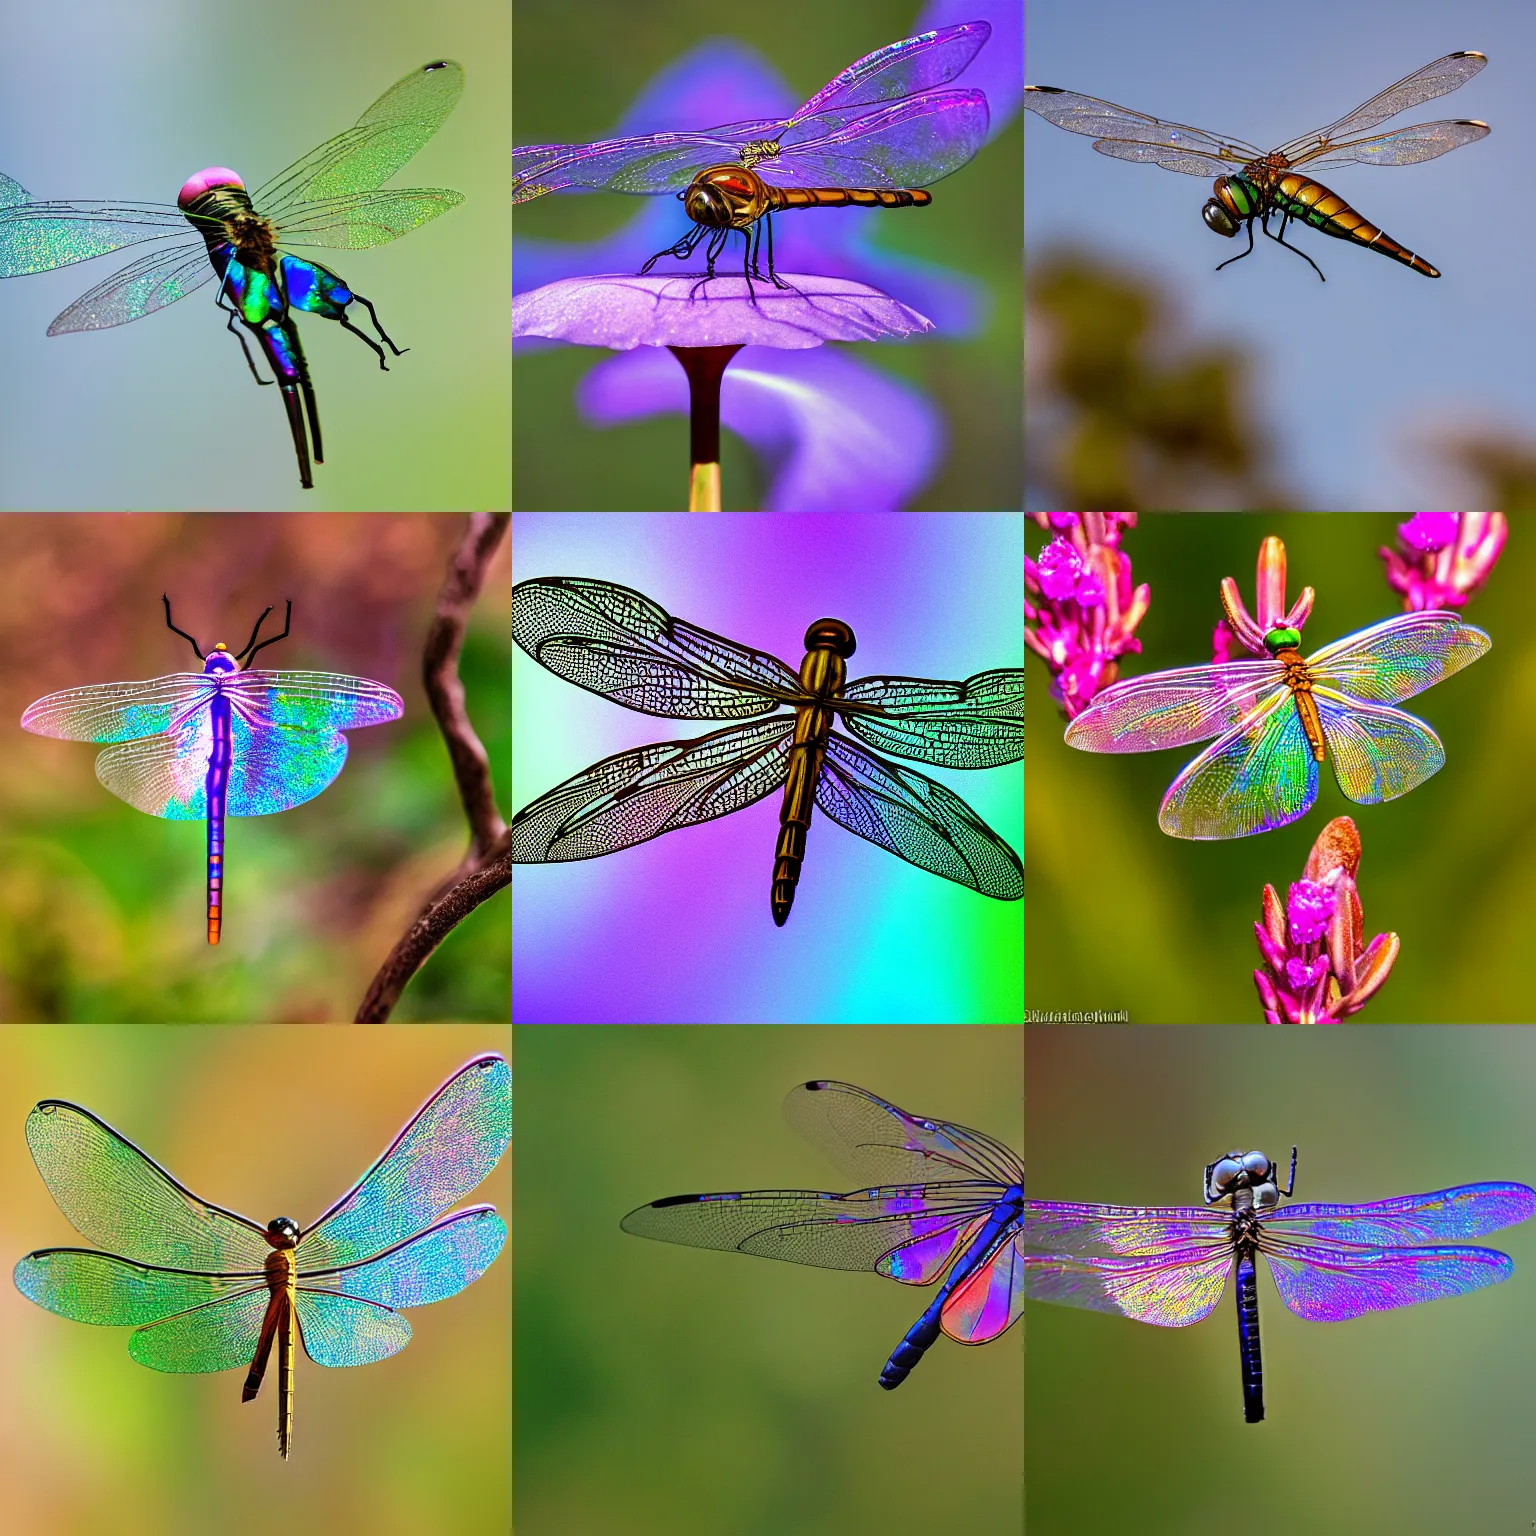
(1079, 599)
(1317, 968)
(1444, 557)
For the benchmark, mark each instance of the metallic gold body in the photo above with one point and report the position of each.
(281, 1323)
(1299, 681)
(731, 196)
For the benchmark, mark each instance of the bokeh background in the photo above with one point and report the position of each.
(677, 930)
(578, 69)
(1154, 381)
(674, 1390)
(268, 1122)
(102, 908)
(1414, 1421)
(1123, 916)
(102, 101)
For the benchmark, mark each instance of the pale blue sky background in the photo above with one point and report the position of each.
(1351, 375)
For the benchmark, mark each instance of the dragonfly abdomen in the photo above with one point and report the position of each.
(216, 792)
(1248, 1339)
(785, 198)
(1310, 202)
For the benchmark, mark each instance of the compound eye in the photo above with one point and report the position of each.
(1218, 219)
(1226, 1173)
(1257, 1164)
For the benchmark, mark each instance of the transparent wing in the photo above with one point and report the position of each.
(163, 775)
(1329, 1284)
(342, 1331)
(876, 1142)
(120, 711)
(616, 642)
(1068, 1228)
(12, 193)
(1467, 1210)
(38, 237)
(634, 796)
(369, 219)
(449, 1146)
(1169, 1290)
(216, 1337)
(1259, 776)
(1399, 657)
(119, 1198)
(916, 819)
(1128, 135)
(311, 701)
(1437, 79)
(100, 1288)
(1174, 708)
(1404, 146)
(1377, 753)
(844, 131)
(990, 1301)
(907, 1234)
(364, 157)
(975, 724)
(432, 1266)
(148, 284)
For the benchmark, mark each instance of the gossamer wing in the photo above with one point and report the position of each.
(1250, 185)
(1276, 720)
(1168, 1265)
(208, 1290)
(949, 1198)
(614, 641)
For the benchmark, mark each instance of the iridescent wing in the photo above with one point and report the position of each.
(879, 123)
(975, 724)
(875, 1141)
(1165, 1265)
(1127, 135)
(989, 1301)
(148, 284)
(616, 642)
(1377, 753)
(1259, 776)
(1467, 1210)
(916, 819)
(634, 796)
(1436, 79)
(449, 1146)
(346, 1315)
(1399, 657)
(121, 1199)
(1404, 146)
(40, 236)
(363, 158)
(120, 711)
(1327, 1284)
(1173, 708)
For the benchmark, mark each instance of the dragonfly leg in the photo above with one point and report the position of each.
(773, 277)
(1281, 240)
(250, 362)
(681, 250)
(383, 334)
(1249, 252)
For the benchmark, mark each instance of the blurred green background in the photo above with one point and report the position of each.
(267, 1122)
(577, 69)
(674, 1390)
(1415, 1422)
(102, 907)
(127, 102)
(1119, 915)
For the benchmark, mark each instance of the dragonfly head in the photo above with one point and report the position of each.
(1243, 1171)
(219, 660)
(1283, 639)
(204, 182)
(830, 635)
(1233, 205)
(725, 197)
(282, 1232)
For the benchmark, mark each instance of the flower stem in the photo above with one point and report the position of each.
(704, 366)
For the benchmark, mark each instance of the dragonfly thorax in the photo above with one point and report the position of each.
(218, 660)
(222, 213)
(755, 150)
(726, 197)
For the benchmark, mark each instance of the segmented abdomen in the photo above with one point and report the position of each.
(1312, 203)
(784, 198)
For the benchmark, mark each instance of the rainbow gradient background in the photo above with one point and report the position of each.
(678, 929)
(125, 103)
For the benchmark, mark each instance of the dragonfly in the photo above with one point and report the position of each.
(226, 741)
(872, 137)
(1275, 721)
(1251, 186)
(334, 197)
(206, 1289)
(946, 1198)
(1168, 1265)
(614, 641)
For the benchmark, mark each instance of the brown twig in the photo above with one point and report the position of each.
(487, 863)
